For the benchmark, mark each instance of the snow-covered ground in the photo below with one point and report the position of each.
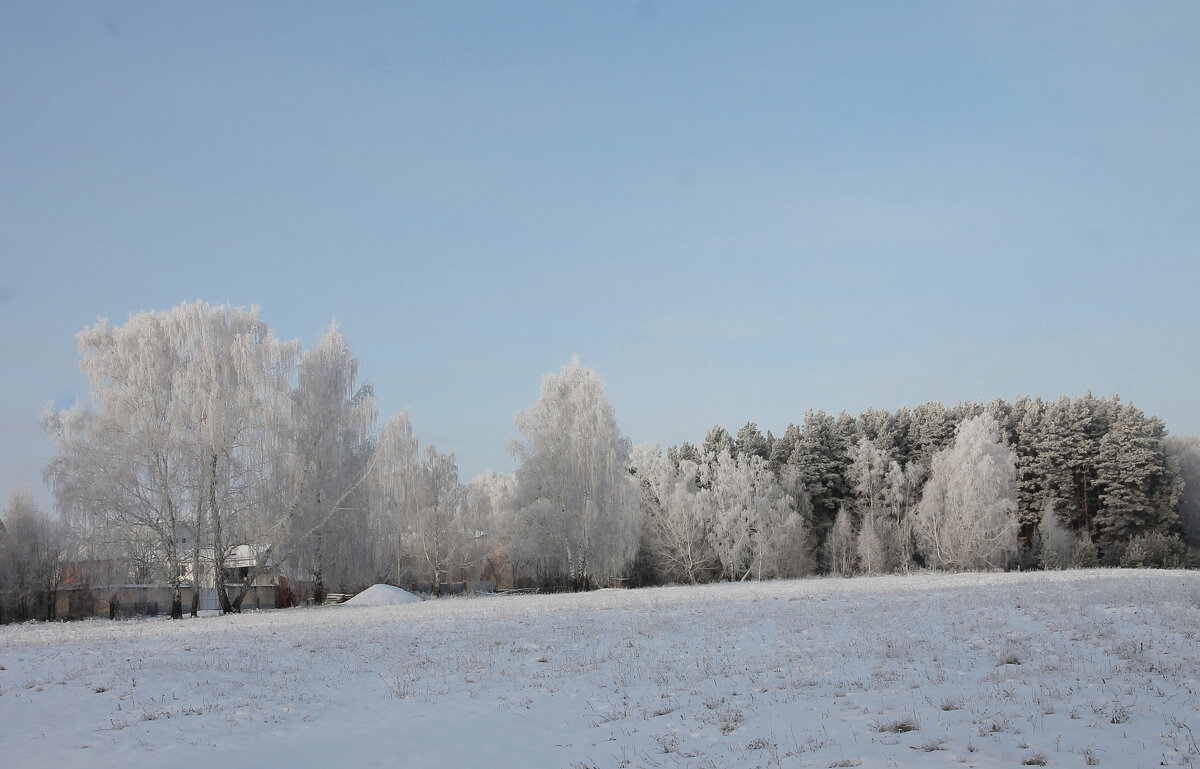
(1065, 668)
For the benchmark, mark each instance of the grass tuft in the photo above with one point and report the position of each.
(897, 726)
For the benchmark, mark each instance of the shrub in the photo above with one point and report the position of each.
(1154, 550)
(1086, 556)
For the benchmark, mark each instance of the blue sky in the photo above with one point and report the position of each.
(732, 211)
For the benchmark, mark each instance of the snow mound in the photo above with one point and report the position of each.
(382, 595)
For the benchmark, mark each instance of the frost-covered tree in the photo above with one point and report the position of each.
(504, 558)
(867, 475)
(931, 430)
(728, 515)
(685, 450)
(575, 493)
(748, 504)
(1154, 550)
(756, 529)
(324, 431)
(1137, 489)
(821, 454)
(421, 524)
(393, 496)
(731, 486)
(33, 544)
(1067, 459)
(198, 430)
(470, 552)
(437, 531)
(967, 516)
(92, 499)
(886, 431)
(1184, 452)
(1025, 436)
(234, 372)
(750, 440)
(1057, 543)
(869, 548)
(717, 441)
(876, 541)
(678, 520)
(902, 492)
(840, 545)
(789, 547)
(783, 448)
(128, 465)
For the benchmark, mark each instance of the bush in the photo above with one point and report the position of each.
(1154, 551)
(1086, 556)
(1029, 558)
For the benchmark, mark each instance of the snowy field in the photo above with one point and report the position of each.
(1056, 669)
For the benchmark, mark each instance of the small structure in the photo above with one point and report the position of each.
(240, 562)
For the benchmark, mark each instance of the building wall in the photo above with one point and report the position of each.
(80, 602)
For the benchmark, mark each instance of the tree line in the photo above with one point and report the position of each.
(206, 436)
(1095, 476)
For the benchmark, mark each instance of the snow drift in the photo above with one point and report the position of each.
(382, 595)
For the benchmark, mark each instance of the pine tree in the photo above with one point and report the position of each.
(1003, 412)
(963, 411)
(820, 454)
(750, 442)
(1138, 491)
(930, 432)
(902, 450)
(1068, 458)
(717, 440)
(1025, 427)
(783, 448)
(879, 427)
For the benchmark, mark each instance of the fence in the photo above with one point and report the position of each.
(469, 587)
(81, 601)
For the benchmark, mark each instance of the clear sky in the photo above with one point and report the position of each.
(732, 211)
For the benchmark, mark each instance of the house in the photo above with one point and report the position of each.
(240, 562)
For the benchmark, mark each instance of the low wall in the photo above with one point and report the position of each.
(80, 602)
(469, 587)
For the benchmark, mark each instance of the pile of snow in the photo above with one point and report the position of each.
(382, 595)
